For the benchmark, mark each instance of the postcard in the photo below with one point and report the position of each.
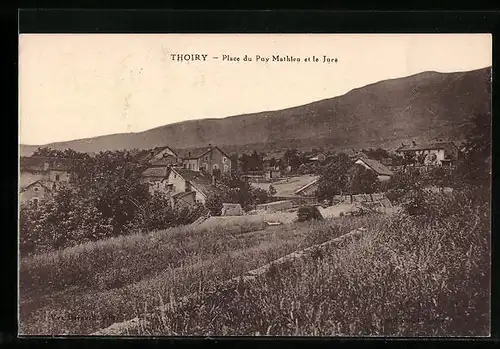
(325, 185)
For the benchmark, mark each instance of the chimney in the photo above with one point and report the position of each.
(189, 154)
(414, 143)
(210, 145)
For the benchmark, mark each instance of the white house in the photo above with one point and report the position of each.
(432, 153)
(181, 180)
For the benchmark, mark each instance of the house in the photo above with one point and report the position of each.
(163, 154)
(181, 180)
(441, 153)
(211, 160)
(157, 179)
(270, 174)
(39, 177)
(383, 173)
(35, 191)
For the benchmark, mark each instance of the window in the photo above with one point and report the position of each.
(35, 201)
(35, 189)
(57, 178)
(224, 159)
(206, 158)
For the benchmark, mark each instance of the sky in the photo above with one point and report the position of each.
(74, 86)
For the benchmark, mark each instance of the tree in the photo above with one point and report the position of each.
(272, 190)
(362, 180)
(293, 158)
(113, 184)
(377, 154)
(409, 158)
(333, 177)
(48, 152)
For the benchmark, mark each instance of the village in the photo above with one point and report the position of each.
(190, 177)
(168, 186)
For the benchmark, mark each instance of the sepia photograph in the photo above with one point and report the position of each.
(325, 185)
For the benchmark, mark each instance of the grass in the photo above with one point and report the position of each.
(411, 276)
(407, 276)
(87, 287)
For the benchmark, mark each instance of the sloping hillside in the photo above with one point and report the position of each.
(424, 106)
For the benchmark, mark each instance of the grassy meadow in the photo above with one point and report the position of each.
(81, 289)
(410, 276)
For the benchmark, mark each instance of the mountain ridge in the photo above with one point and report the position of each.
(426, 105)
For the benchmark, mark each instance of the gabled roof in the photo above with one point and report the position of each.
(201, 182)
(24, 188)
(165, 161)
(147, 154)
(427, 146)
(376, 166)
(162, 172)
(196, 153)
(182, 194)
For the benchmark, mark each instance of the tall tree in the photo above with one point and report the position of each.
(334, 177)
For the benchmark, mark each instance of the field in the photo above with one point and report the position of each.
(288, 186)
(425, 275)
(81, 289)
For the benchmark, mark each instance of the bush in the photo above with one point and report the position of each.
(68, 220)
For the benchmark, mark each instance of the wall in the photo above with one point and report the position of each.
(191, 164)
(200, 196)
(383, 178)
(438, 152)
(27, 178)
(215, 159)
(63, 176)
(275, 206)
(35, 191)
(156, 184)
(179, 186)
(310, 191)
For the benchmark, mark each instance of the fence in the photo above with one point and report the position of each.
(359, 198)
(275, 206)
